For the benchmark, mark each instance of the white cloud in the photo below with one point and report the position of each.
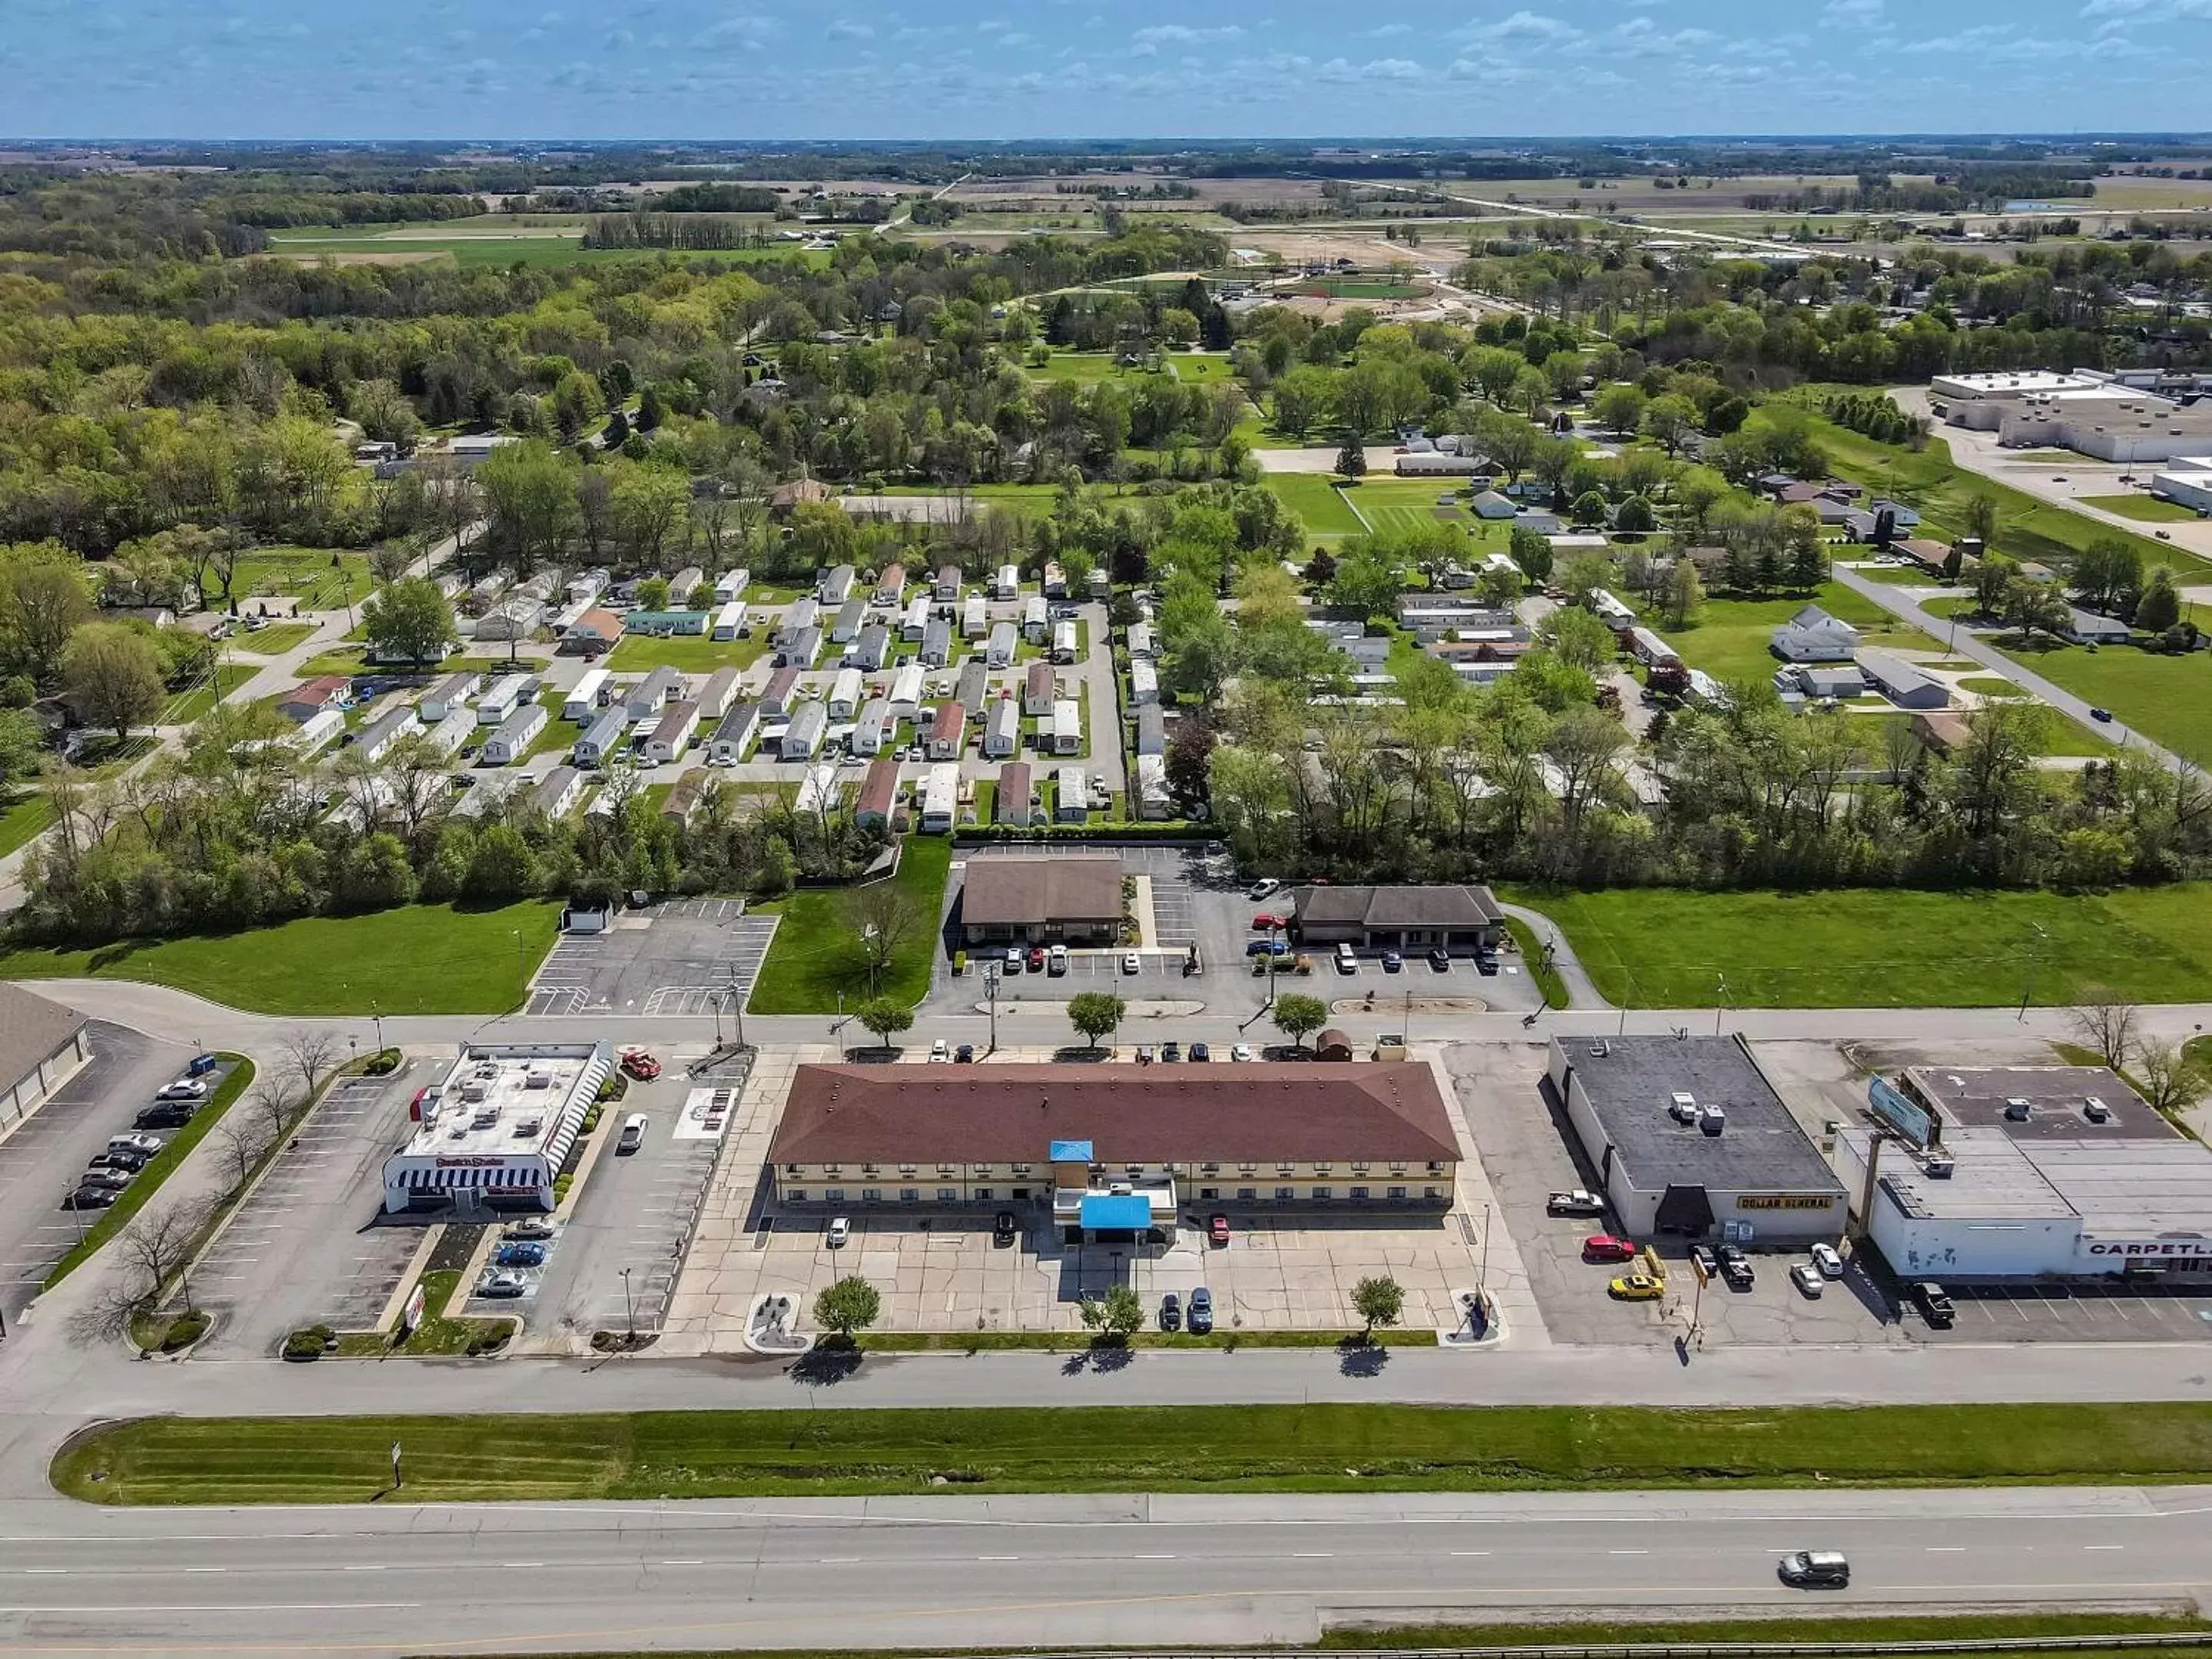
(1527, 28)
(1850, 13)
(747, 29)
(1147, 42)
(1388, 31)
(846, 29)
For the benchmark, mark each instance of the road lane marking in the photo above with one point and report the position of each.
(998, 1558)
(1947, 1549)
(2103, 1547)
(1628, 1551)
(1470, 1551)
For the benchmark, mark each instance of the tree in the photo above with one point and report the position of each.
(883, 918)
(1993, 582)
(1684, 592)
(1096, 1014)
(1579, 638)
(2037, 607)
(410, 619)
(2106, 1021)
(1298, 1017)
(1352, 460)
(1670, 421)
(1588, 507)
(1634, 517)
(43, 600)
(885, 1016)
(652, 593)
(530, 500)
(851, 1304)
(389, 560)
(112, 675)
(2159, 607)
(1532, 550)
(1620, 408)
(2107, 576)
(313, 1055)
(1117, 1315)
(1508, 440)
(1366, 583)
(1978, 517)
(1378, 1302)
(2173, 1079)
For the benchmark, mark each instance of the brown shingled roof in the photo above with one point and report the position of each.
(1008, 1114)
(1001, 891)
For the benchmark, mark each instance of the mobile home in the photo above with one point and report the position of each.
(802, 739)
(673, 735)
(1066, 727)
(515, 735)
(717, 694)
(1002, 730)
(603, 739)
(940, 801)
(999, 653)
(734, 735)
(583, 703)
(648, 696)
(873, 727)
(845, 693)
(1064, 646)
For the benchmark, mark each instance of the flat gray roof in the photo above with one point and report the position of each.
(2055, 1095)
(1630, 1081)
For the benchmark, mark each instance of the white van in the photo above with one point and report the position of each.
(633, 1134)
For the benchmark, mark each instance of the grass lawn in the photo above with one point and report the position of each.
(1895, 575)
(22, 817)
(185, 707)
(1887, 948)
(1030, 502)
(419, 959)
(1842, 1631)
(1389, 503)
(135, 1197)
(693, 654)
(350, 660)
(558, 733)
(1729, 638)
(273, 640)
(2027, 528)
(2147, 510)
(817, 953)
(2167, 699)
(1314, 502)
(533, 1457)
(320, 578)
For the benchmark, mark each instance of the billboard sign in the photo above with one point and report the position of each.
(1907, 1116)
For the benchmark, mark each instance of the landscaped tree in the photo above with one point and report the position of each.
(849, 1305)
(1366, 583)
(1508, 440)
(43, 600)
(2108, 575)
(113, 675)
(1683, 593)
(1096, 1014)
(2159, 607)
(885, 1017)
(1670, 421)
(1532, 551)
(1993, 583)
(1588, 507)
(2173, 1079)
(1978, 517)
(2106, 1021)
(1118, 1314)
(410, 619)
(1620, 408)
(1634, 517)
(1352, 460)
(1378, 1302)
(882, 918)
(1298, 1017)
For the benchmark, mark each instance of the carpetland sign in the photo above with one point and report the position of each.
(2169, 1250)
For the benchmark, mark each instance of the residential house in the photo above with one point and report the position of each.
(516, 734)
(730, 586)
(729, 621)
(1071, 796)
(376, 742)
(500, 698)
(835, 585)
(1064, 637)
(781, 692)
(873, 650)
(799, 616)
(803, 649)
(734, 734)
(2088, 627)
(913, 625)
(852, 616)
(948, 732)
(1067, 728)
(683, 585)
(311, 697)
(513, 619)
(1015, 805)
(1007, 582)
(447, 694)
(1649, 649)
(595, 632)
(802, 739)
(874, 727)
(603, 737)
(845, 693)
(563, 788)
(1140, 639)
(818, 792)
(999, 653)
(1144, 683)
(650, 694)
(588, 697)
(946, 590)
(1901, 683)
(937, 644)
(1036, 619)
(715, 696)
(796, 492)
(1151, 730)
(974, 617)
(1812, 636)
(906, 692)
(1002, 729)
(672, 734)
(1039, 690)
(891, 586)
(1492, 506)
(1154, 799)
(940, 801)
(973, 685)
(1607, 609)
(878, 800)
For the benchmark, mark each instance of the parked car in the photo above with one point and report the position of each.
(1347, 960)
(1735, 1268)
(1486, 963)
(1440, 959)
(839, 1231)
(640, 1065)
(1170, 1051)
(169, 1115)
(1637, 1287)
(133, 1143)
(1003, 1229)
(1267, 918)
(1703, 1259)
(1201, 1311)
(185, 1088)
(1392, 962)
(964, 1055)
(1274, 944)
(519, 1255)
(1242, 1051)
(1199, 1051)
(1170, 1312)
(1808, 1568)
(1267, 887)
(1827, 1261)
(1055, 961)
(89, 1198)
(2103, 716)
(1935, 1306)
(1131, 963)
(530, 1226)
(1604, 1247)
(1217, 1230)
(114, 1180)
(1037, 958)
(633, 1134)
(941, 1050)
(128, 1159)
(1576, 1202)
(503, 1281)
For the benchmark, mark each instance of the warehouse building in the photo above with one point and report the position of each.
(1114, 1151)
(1688, 1138)
(42, 1044)
(495, 1133)
(2026, 1172)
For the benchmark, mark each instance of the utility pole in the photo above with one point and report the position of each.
(1720, 1006)
(991, 990)
(2035, 955)
(738, 1007)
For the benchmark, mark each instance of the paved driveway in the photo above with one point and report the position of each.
(675, 958)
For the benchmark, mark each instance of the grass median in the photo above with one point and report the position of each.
(1249, 1448)
(140, 1193)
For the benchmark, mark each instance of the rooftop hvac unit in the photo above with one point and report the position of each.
(540, 1080)
(1940, 1168)
(1712, 1119)
(471, 1089)
(2095, 1111)
(529, 1127)
(2018, 1110)
(1682, 1106)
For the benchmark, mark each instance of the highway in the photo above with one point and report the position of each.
(1056, 1570)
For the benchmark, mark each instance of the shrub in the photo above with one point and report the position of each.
(183, 1331)
(308, 1343)
(383, 1063)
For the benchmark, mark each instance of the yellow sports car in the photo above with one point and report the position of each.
(1639, 1287)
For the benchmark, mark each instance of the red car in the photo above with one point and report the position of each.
(1604, 1247)
(641, 1064)
(1037, 958)
(1216, 1228)
(1264, 921)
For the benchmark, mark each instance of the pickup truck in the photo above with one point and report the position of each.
(1576, 1203)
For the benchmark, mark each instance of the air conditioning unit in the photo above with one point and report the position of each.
(2095, 1111)
(1940, 1168)
(1682, 1106)
(2018, 1110)
(1712, 1119)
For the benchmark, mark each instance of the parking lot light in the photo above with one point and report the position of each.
(629, 1308)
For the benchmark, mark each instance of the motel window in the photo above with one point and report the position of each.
(791, 1168)
(1436, 1166)
(1397, 1192)
(869, 1170)
(1248, 1168)
(1284, 1168)
(1246, 1195)
(909, 1194)
(1323, 1194)
(906, 1168)
(1324, 1168)
(948, 1194)
(1018, 1168)
(947, 1169)
(833, 1168)
(1209, 1169)
(835, 1195)
(1210, 1193)
(1284, 1195)
(1359, 1168)
(1397, 1166)
(872, 1194)
(798, 1198)
(983, 1193)
(1432, 1192)
(1358, 1194)
(983, 1170)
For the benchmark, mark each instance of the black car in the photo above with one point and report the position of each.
(1170, 1051)
(1392, 962)
(130, 1160)
(2102, 715)
(1735, 1268)
(1935, 1306)
(1486, 963)
(1200, 1051)
(1003, 1229)
(1440, 960)
(1703, 1259)
(89, 1198)
(166, 1114)
(966, 1054)
(1170, 1312)
(1201, 1311)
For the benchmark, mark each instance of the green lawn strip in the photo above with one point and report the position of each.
(2147, 510)
(22, 819)
(1842, 1629)
(274, 639)
(1884, 947)
(417, 959)
(187, 705)
(559, 733)
(1314, 502)
(1308, 1448)
(1929, 481)
(2167, 698)
(688, 654)
(319, 578)
(1895, 575)
(1532, 955)
(1731, 637)
(135, 1197)
(437, 1334)
(350, 659)
(817, 954)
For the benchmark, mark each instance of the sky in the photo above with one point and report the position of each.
(1094, 68)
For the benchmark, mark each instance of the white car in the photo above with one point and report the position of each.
(839, 1231)
(1826, 1258)
(1242, 1051)
(1259, 890)
(141, 1142)
(1806, 1278)
(503, 1281)
(1132, 964)
(185, 1088)
(941, 1050)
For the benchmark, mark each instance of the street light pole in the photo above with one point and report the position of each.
(1720, 1005)
(629, 1308)
(991, 991)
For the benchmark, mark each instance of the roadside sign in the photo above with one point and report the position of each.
(410, 1317)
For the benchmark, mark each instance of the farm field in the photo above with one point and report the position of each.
(538, 240)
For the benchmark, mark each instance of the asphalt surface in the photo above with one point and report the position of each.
(394, 1579)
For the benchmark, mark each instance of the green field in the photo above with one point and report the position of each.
(496, 240)
(1895, 575)
(1031, 501)
(22, 817)
(692, 653)
(1391, 503)
(185, 707)
(1350, 287)
(1314, 502)
(273, 641)
(2027, 528)
(420, 959)
(2149, 509)
(1730, 638)
(1885, 948)
(319, 578)
(2167, 699)
(1841, 1634)
(648, 1455)
(816, 955)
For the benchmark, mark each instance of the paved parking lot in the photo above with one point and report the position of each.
(636, 1211)
(2083, 1312)
(40, 1159)
(672, 958)
(310, 1245)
